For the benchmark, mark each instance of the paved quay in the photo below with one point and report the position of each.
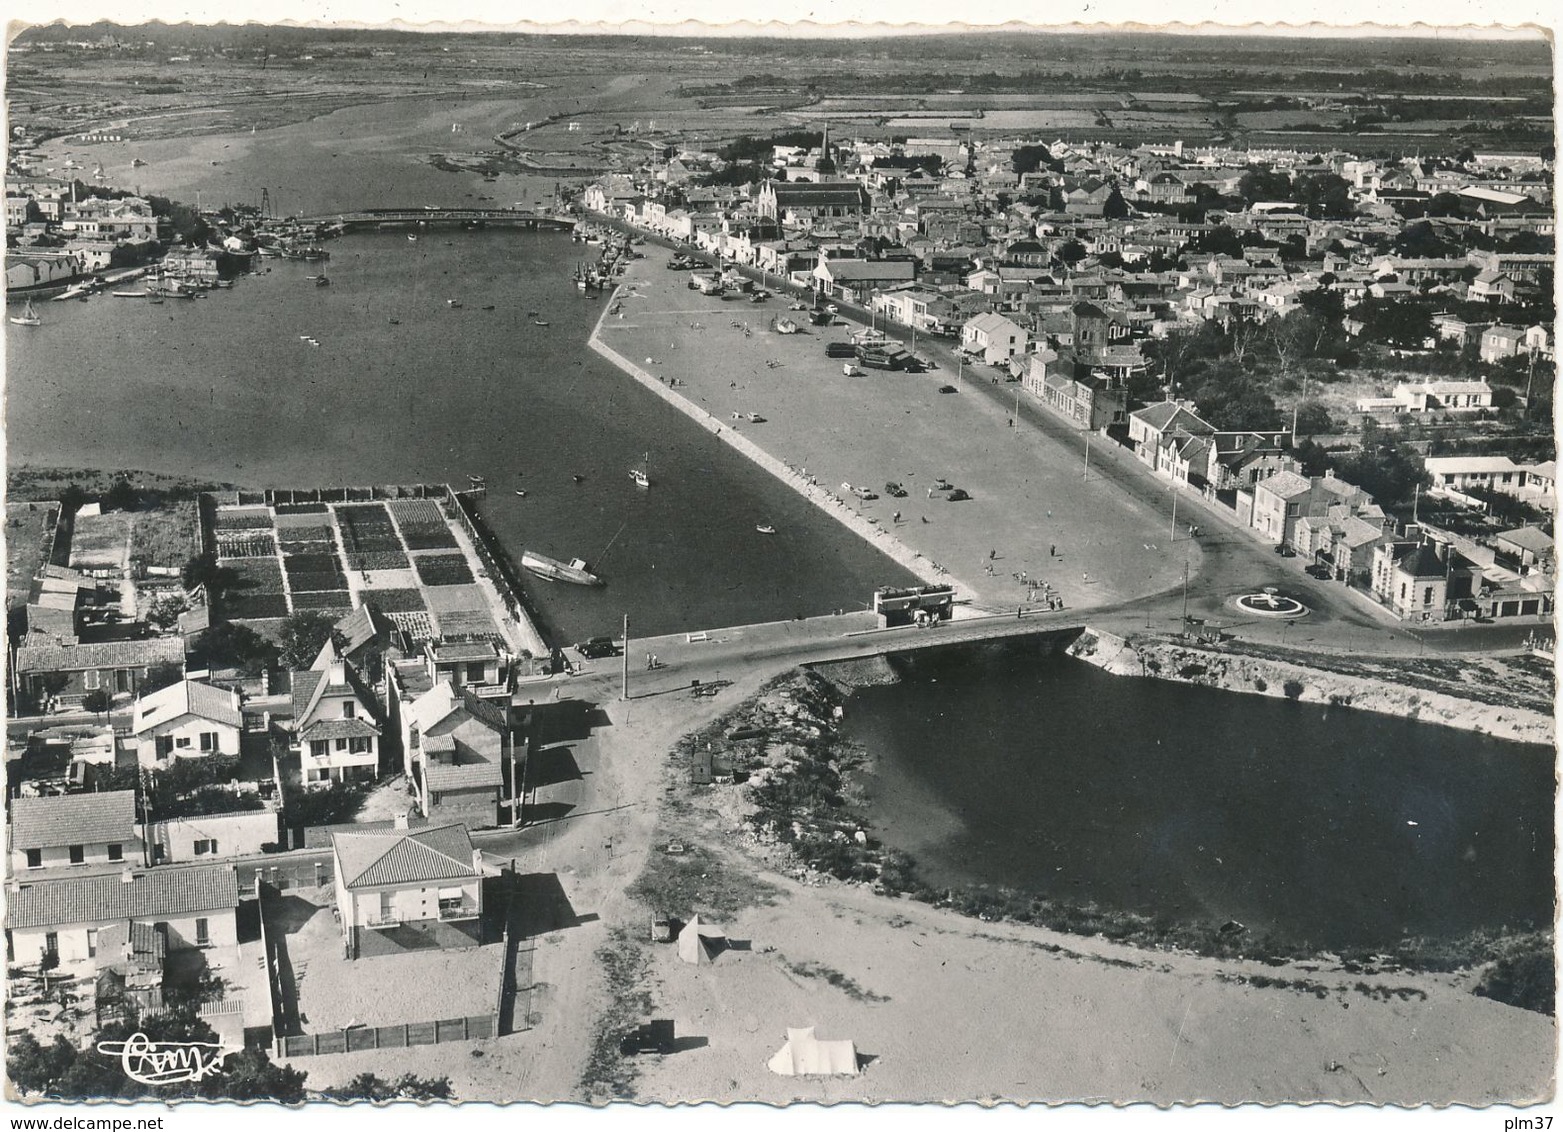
(1032, 512)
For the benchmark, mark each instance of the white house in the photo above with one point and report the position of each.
(993, 336)
(186, 720)
(336, 732)
(188, 907)
(397, 883)
(74, 831)
(209, 837)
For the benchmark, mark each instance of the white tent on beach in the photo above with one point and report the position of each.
(700, 943)
(804, 1055)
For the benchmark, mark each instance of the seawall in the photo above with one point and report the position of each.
(825, 500)
(1265, 676)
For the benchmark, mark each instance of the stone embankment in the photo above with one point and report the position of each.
(1232, 671)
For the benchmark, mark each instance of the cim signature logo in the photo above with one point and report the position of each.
(166, 1063)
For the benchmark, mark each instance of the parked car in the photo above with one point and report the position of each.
(1321, 571)
(1285, 551)
(957, 494)
(865, 493)
(598, 647)
(895, 490)
(946, 389)
(655, 1036)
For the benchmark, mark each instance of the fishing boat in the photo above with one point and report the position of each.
(129, 294)
(412, 239)
(489, 307)
(28, 317)
(552, 570)
(477, 481)
(765, 529)
(521, 493)
(639, 474)
(539, 322)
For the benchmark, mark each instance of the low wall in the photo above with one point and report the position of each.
(825, 500)
(1238, 672)
(398, 1036)
(236, 835)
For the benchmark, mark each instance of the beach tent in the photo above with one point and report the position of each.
(804, 1055)
(699, 943)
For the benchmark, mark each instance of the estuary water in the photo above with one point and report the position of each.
(1000, 766)
(405, 387)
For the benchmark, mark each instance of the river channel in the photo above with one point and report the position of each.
(404, 387)
(1332, 827)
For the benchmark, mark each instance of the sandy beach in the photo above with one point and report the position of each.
(942, 1006)
(822, 431)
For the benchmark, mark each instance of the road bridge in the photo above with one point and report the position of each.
(429, 216)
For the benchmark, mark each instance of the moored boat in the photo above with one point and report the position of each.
(765, 529)
(551, 569)
(28, 317)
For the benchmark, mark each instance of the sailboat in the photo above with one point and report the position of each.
(639, 474)
(28, 317)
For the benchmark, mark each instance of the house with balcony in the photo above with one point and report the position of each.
(66, 918)
(89, 832)
(478, 666)
(403, 890)
(186, 720)
(336, 727)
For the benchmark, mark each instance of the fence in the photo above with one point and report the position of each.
(398, 1036)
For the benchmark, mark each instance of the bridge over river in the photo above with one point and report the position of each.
(428, 216)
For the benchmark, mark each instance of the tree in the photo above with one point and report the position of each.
(1070, 252)
(1313, 418)
(1324, 196)
(61, 1070)
(368, 1086)
(164, 611)
(1264, 184)
(329, 805)
(203, 570)
(303, 635)
(1115, 207)
(226, 645)
(97, 702)
(121, 497)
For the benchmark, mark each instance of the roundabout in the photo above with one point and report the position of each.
(1271, 603)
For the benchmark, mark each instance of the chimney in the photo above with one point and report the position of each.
(400, 821)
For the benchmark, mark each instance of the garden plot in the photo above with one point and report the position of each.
(443, 570)
(450, 599)
(395, 601)
(315, 571)
(101, 542)
(468, 623)
(257, 591)
(388, 580)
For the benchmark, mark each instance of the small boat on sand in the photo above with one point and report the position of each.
(765, 529)
(520, 493)
(539, 322)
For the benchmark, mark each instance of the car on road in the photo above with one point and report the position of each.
(895, 490)
(598, 647)
(864, 493)
(1321, 571)
(655, 1036)
(1285, 551)
(946, 389)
